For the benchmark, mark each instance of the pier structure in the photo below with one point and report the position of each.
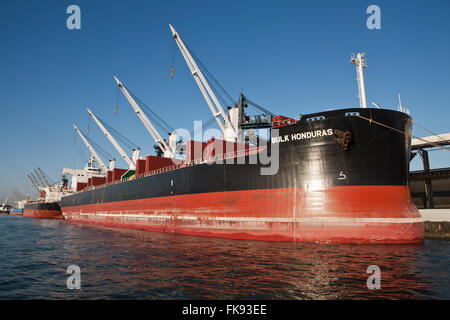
(430, 188)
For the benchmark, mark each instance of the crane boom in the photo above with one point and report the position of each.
(88, 145)
(36, 180)
(43, 176)
(19, 196)
(131, 163)
(33, 181)
(229, 130)
(39, 177)
(168, 152)
(16, 194)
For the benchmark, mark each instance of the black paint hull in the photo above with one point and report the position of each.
(316, 168)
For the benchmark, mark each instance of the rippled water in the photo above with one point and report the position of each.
(130, 264)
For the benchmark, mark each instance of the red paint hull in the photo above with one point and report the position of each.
(42, 214)
(354, 214)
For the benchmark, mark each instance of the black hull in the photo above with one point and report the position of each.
(376, 155)
(42, 210)
(338, 176)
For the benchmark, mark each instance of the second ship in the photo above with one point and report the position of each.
(49, 195)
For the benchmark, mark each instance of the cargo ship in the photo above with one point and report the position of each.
(47, 204)
(42, 210)
(337, 176)
(16, 211)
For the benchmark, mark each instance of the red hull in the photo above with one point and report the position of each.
(356, 214)
(42, 214)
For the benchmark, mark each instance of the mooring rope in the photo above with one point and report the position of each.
(389, 127)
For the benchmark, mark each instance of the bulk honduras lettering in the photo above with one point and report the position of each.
(302, 135)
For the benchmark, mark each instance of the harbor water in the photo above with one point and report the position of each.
(134, 264)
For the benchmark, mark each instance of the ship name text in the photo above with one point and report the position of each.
(302, 135)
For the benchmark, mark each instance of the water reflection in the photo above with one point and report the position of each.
(129, 264)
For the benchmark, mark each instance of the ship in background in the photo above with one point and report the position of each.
(47, 204)
(18, 209)
(5, 208)
(337, 176)
(20, 203)
(16, 212)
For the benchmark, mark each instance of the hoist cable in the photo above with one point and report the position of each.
(157, 119)
(210, 74)
(130, 144)
(103, 152)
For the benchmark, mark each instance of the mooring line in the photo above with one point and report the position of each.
(389, 127)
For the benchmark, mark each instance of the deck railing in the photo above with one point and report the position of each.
(220, 157)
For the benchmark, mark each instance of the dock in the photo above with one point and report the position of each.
(430, 187)
(436, 223)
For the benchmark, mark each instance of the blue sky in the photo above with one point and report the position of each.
(289, 56)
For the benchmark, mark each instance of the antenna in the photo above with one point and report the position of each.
(360, 64)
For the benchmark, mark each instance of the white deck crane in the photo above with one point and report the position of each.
(131, 162)
(167, 149)
(17, 194)
(4, 204)
(36, 180)
(40, 179)
(227, 123)
(43, 176)
(33, 182)
(88, 145)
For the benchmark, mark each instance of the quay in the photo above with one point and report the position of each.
(436, 223)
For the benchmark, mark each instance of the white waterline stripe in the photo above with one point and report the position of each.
(254, 219)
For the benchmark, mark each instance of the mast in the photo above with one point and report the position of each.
(230, 132)
(131, 164)
(168, 152)
(88, 145)
(360, 63)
